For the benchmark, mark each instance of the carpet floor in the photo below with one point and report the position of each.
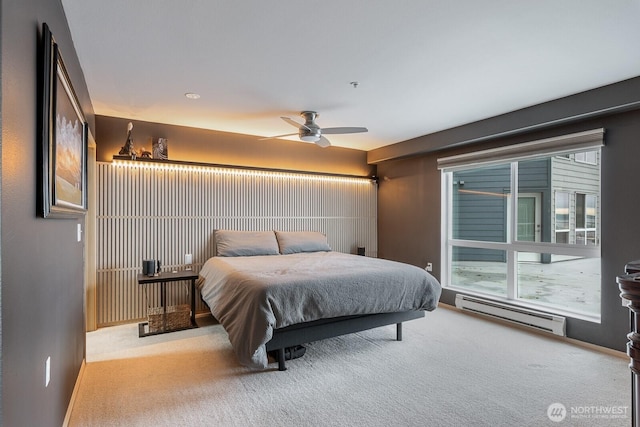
(451, 369)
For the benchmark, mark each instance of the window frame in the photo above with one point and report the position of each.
(584, 141)
(584, 223)
(583, 157)
(566, 230)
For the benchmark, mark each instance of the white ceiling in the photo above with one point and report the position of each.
(422, 65)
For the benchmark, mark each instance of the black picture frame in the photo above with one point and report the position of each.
(63, 147)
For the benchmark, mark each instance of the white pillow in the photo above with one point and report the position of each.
(245, 243)
(291, 242)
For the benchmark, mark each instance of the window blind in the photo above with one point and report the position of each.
(581, 141)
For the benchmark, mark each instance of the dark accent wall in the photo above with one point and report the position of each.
(409, 197)
(42, 262)
(208, 146)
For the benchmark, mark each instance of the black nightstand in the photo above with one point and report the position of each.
(163, 279)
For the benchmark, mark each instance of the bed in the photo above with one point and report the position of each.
(271, 290)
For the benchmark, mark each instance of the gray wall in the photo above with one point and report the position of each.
(409, 193)
(208, 146)
(42, 263)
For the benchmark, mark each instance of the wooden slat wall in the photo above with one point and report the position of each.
(148, 212)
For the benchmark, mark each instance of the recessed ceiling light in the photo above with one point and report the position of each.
(192, 95)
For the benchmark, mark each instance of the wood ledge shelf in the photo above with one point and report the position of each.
(119, 158)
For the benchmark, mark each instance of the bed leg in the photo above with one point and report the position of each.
(398, 331)
(281, 366)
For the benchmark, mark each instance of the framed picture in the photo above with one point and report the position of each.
(160, 148)
(63, 149)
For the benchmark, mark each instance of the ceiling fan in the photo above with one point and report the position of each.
(309, 131)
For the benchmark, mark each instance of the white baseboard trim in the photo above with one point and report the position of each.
(76, 387)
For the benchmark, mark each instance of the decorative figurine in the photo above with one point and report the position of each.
(127, 148)
(144, 154)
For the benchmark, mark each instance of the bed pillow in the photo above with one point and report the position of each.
(245, 243)
(291, 242)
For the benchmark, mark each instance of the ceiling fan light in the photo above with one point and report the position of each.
(310, 138)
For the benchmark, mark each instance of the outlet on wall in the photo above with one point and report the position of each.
(429, 267)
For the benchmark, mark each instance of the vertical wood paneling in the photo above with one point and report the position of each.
(154, 213)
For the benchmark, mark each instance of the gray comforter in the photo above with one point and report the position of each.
(251, 296)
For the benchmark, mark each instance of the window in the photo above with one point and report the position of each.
(586, 219)
(562, 217)
(521, 224)
(590, 157)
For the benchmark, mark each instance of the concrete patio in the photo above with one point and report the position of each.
(571, 284)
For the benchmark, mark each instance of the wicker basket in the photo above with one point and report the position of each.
(177, 317)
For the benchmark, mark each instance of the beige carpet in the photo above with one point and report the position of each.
(452, 369)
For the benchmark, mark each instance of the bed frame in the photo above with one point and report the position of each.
(328, 328)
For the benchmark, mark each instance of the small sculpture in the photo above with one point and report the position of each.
(144, 154)
(127, 148)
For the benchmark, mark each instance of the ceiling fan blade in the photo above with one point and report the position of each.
(277, 136)
(344, 130)
(293, 122)
(323, 142)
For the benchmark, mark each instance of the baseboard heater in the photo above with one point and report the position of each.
(522, 316)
